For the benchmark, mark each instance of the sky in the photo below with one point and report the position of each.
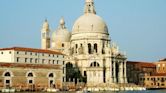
(138, 27)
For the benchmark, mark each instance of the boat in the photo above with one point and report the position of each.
(52, 90)
(8, 90)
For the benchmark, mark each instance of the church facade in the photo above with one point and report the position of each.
(88, 49)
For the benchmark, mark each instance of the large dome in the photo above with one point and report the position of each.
(89, 23)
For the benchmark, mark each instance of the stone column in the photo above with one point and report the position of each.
(120, 72)
(100, 47)
(125, 74)
(85, 44)
(75, 49)
(114, 71)
(88, 77)
(101, 76)
(110, 72)
(92, 48)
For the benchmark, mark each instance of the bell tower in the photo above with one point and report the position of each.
(45, 38)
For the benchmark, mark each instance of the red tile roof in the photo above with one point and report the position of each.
(163, 59)
(35, 66)
(159, 74)
(142, 64)
(31, 50)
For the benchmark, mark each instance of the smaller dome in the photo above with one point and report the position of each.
(61, 34)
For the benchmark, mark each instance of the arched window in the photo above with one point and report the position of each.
(31, 59)
(91, 65)
(76, 48)
(94, 64)
(89, 48)
(7, 74)
(51, 75)
(63, 45)
(7, 79)
(35, 60)
(95, 48)
(30, 74)
(69, 65)
(25, 59)
(97, 64)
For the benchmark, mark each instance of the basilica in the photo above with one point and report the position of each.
(90, 55)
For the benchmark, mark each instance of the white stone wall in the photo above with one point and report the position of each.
(12, 56)
(48, 58)
(7, 56)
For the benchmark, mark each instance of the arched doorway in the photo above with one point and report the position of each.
(95, 48)
(117, 72)
(7, 79)
(94, 64)
(69, 72)
(73, 74)
(30, 80)
(94, 74)
(89, 48)
(51, 80)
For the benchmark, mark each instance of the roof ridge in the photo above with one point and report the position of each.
(32, 50)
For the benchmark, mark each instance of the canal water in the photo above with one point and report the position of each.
(145, 91)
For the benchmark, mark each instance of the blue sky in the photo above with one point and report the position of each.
(137, 26)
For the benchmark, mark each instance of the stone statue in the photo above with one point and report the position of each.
(71, 50)
(80, 50)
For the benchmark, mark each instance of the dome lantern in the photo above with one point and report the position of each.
(45, 25)
(89, 25)
(61, 34)
(62, 23)
(89, 7)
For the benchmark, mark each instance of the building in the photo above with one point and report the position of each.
(135, 70)
(157, 79)
(31, 69)
(161, 66)
(91, 57)
(30, 56)
(147, 74)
